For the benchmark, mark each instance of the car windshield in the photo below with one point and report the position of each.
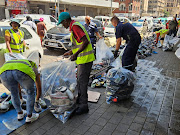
(58, 29)
(2, 33)
(155, 21)
(110, 26)
(137, 24)
(140, 20)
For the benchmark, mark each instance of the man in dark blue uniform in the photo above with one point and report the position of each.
(133, 40)
(91, 28)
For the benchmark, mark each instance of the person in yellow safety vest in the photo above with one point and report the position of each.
(162, 33)
(15, 38)
(25, 73)
(15, 44)
(83, 55)
(179, 23)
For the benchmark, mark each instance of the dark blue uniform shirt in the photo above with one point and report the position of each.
(91, 30)
(125, 30)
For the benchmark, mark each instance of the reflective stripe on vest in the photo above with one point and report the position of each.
(87, 54)
(16, 43)
(24, 66)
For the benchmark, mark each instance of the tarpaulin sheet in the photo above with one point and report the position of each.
(9, 122)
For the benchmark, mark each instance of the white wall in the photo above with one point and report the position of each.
(94, 3)
(2, 2)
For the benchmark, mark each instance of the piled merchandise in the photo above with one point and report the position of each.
(104, 57)
(58, 85)
(119, 84)
(146, 47)
(5, 102)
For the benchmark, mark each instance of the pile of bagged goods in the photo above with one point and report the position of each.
(58, 84)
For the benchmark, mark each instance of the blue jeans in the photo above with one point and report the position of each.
(10, 80)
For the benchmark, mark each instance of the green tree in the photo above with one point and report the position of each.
(166, 13)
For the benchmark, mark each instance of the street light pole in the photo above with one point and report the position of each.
(111, 8)
(58, 7)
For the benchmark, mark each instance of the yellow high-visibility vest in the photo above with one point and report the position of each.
(87, 55)
(16, 43)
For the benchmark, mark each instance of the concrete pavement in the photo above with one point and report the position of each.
(153, 108)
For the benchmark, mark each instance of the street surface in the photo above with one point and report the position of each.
(153, 108)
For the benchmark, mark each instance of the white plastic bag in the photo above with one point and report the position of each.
(55, 77)
(13, 56)
(103, 53)
(178, 33)
(177, 53)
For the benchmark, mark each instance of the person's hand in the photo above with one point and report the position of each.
(115, 54)
(73, 57)
(100, 37)
(66, 54)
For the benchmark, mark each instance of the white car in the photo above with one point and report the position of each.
(49, 20)
(103, 19)
(124, 19)
(30, 37)
(138, 26)
(149, 21)
(109, 31)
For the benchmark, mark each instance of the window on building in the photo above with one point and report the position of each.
(130, 7)
(122, 7)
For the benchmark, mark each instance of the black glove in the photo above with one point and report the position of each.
(115, 53)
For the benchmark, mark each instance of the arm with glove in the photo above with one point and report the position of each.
(118, 44)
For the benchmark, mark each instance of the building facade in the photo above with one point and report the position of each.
(2, 9)
(128, 8)
(156, 7)
(172, 7)
(144, 8)
(74, 7)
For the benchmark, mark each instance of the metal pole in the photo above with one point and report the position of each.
(55, 10)
(58, 8)
(111, 8)
(85, 11)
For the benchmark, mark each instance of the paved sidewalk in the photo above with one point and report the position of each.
(153, 108)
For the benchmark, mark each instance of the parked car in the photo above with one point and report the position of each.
(49, 20)
(103, 18)
(138, 26)
(30, 37)
(124, 19)
(149, 21)
(109, 30)
(59, 37)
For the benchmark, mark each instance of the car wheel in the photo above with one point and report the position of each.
(50, 48)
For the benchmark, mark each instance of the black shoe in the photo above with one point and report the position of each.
(80, 111)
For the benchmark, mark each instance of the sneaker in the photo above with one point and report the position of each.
(42, 103)
(34, 117)
(37, 107)
(21, 116)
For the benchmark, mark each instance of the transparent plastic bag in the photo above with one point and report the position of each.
(103, 53)
(119, 84)
(58, 86)
(13, 56)
(177, 53)
(169, 42)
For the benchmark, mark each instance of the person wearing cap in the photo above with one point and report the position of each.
(133, 39)
(15, 38)
(41, 27)
(30, 23)
(25, 73)
(91, 28)
(82, 53)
